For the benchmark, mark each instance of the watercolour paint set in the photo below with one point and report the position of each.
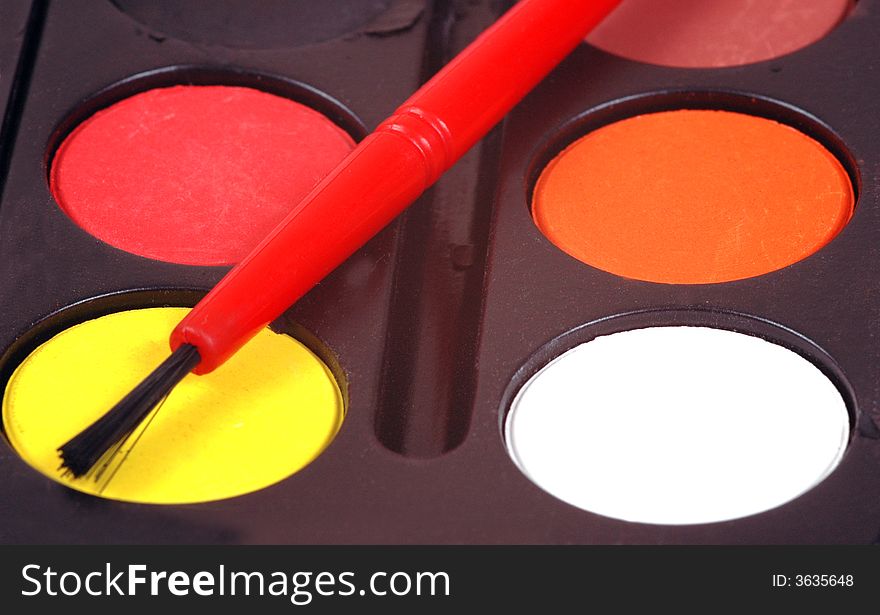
(641, 309)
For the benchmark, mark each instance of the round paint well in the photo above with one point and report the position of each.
(195, 175)
(261, 417)
(677, 425)
(700, 34)
(693, 197)
(239, 24)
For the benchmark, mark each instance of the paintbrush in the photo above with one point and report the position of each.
(387, 171)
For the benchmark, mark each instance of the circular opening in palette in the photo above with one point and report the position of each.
(700, 34)
(693, 196)
(193, 174)
(677, 425)
(244, 25)
(264, 415)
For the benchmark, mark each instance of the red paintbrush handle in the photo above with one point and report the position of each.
(387, 171)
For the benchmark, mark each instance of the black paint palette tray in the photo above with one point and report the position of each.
(436, 329)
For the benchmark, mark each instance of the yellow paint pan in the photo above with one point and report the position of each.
(264, 415)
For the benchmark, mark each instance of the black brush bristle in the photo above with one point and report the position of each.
(83, 451)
